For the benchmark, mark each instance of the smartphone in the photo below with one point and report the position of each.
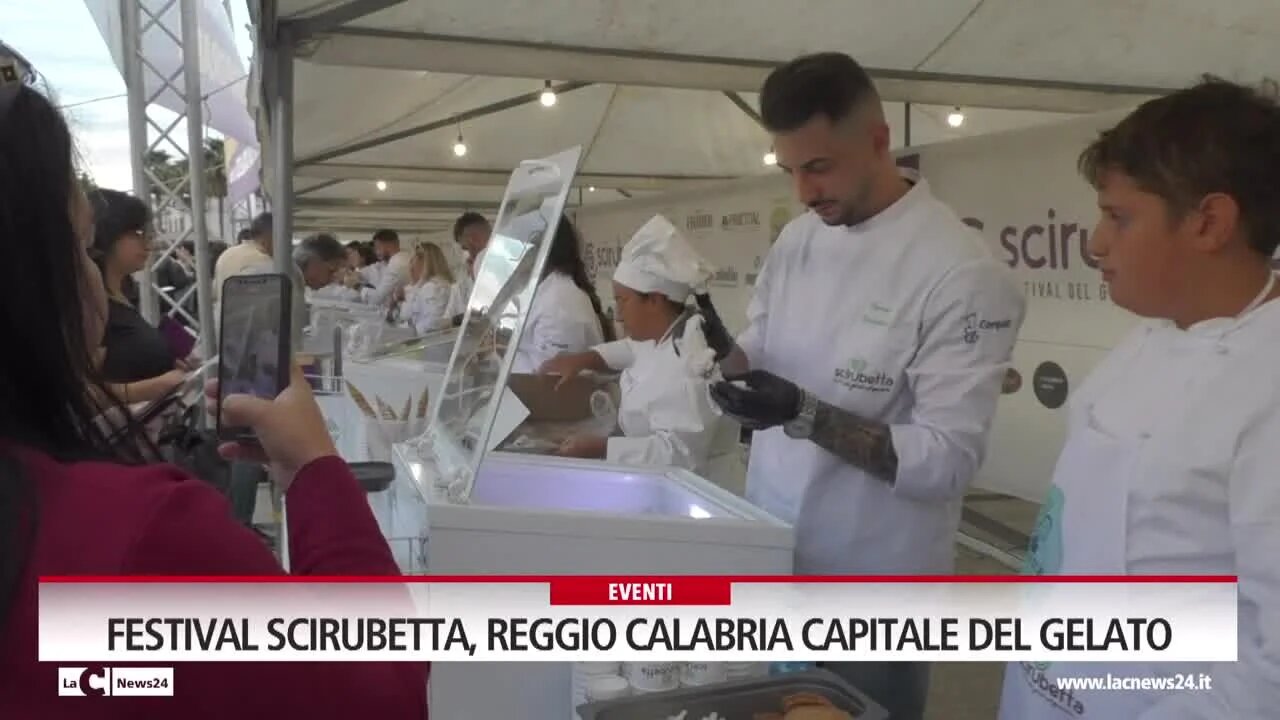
(254, 349)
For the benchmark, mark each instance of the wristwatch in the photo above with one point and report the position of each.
(801, 426)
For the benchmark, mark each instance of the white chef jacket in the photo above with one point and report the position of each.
(372, 273)
(427, 305)
(905, 319)
(1201, 407)
(666, 415)
(561, 320)
(393, 276)
(335, 291)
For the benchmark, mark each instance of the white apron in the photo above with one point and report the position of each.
(1088, 503)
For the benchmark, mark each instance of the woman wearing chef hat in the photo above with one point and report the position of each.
(1169, 466)
(666, 414)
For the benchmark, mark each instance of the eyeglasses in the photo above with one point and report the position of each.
(15, 73)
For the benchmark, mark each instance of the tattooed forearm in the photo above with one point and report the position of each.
(864, 443)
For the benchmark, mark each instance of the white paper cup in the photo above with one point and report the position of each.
(607, 687)
(654, 676)
(703, 673)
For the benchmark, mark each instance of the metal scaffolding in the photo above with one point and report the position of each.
(151, 133)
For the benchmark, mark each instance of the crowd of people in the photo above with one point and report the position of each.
(1166, 468)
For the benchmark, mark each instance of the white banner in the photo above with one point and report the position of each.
(1020, 189)
(636, 619)
(223, 78)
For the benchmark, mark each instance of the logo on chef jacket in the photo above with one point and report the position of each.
(699, 221)
(975, 326)
(1047, 688)
(740, 220)
(856, 376)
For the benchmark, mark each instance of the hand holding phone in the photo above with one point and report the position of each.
(254, 345)
(288, 432)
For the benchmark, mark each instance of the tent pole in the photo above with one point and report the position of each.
(195, 167)
(282, 151)
(136, 91)
(906, 124)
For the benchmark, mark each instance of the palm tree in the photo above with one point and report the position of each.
(162, 172)
(215, 173)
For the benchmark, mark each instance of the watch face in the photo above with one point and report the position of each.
(799, 428)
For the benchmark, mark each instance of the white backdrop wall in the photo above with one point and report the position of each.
(1020, 189)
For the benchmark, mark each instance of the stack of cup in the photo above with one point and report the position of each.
(607, 687)
(651, 677)
(697, 674)
(584, 673)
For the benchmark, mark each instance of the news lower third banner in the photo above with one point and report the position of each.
(478, 618)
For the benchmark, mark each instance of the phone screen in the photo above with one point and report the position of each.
(254, 346)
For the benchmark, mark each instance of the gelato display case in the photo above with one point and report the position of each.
(458, 507)
(374, 381)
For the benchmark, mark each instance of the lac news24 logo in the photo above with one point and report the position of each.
(98, 681)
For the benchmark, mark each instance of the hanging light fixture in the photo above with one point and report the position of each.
(381, 185)
(460, 147)
(771, 158)
(956, 118)
(548, 96)
(591, 188)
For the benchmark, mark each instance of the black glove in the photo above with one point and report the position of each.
(768, 400)
(718, 338)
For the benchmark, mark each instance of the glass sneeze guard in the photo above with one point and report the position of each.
(465, 409)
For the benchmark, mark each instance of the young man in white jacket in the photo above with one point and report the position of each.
(1173, 441)
(878, 334)
(393, 275)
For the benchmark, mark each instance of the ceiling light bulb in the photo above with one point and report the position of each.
(956, 118)
(591, 188)
(771, 158)
(548, 96)
(460, 147)
(381, 185)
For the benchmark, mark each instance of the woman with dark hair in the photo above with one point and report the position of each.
(136, 359)
(666, 415)
(72, 503)
(566, 314)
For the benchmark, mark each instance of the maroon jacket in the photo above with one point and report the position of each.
(107, 519)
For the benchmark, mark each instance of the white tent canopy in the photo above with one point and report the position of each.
(660, 94)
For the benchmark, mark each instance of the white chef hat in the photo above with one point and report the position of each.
(659, 259)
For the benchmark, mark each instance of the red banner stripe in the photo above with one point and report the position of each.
(745, 579)
(669, 591)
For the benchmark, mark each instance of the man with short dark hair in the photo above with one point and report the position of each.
(471, 231)
(878, 334)
(1169, 466)
(390, 275)
(238, 258)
